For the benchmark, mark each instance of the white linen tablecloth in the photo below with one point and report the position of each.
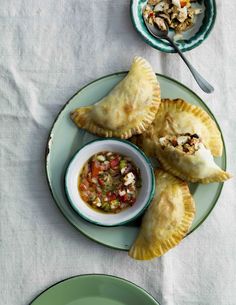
(48, 50)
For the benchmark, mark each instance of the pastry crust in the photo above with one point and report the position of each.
(178, 117)
(198, 167)
(128, 109)
(167, 219)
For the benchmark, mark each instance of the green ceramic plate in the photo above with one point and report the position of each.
(94, 289)
(65, 139)
(191, 38)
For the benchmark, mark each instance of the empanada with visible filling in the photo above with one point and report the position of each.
(186, 157)
(167, 219)
(178, 117)
(128, 109)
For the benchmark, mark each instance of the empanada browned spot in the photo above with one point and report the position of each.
(167, 219)
(186, 157)
(128, 109)
(178, 117)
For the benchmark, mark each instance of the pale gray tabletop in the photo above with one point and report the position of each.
(48, 50)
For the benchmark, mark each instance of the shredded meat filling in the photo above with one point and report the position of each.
(187, 143)
(178, 14)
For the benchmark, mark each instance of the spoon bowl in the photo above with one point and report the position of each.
(155, 31)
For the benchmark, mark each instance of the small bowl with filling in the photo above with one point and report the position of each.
(190, 21)
(109, 182)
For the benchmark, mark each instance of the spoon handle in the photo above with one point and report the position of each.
(203, 84)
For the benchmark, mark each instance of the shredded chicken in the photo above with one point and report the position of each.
(178, 14)
(160, 23)
(187, 143)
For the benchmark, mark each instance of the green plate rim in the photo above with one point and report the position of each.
(94, 275)
(151, 194)
(182, 48)
(47, 152)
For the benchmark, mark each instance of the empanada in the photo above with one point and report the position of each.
(178, 117)
(128, 109)
(186, 157)
(167, 219)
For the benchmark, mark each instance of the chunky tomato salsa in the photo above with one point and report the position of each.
(109, 182)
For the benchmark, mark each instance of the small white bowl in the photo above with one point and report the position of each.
(123, 147)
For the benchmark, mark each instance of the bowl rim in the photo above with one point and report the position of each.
(170, 49)
(144, 158)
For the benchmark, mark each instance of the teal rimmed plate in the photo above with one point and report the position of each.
(65, 139)
(96, 289)
(191, 38)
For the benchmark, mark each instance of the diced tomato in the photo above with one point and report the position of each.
(85, 196)
(174, 142)
(101, 181)
(124, 198)
(95, 169)
(132, 201)
(93, 187)
(183, 3)
(85, 182)
(99, 194)
(151, 14)
(82, 187)
(111, 196)
(114, 162)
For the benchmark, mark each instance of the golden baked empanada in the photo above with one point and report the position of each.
(186, 157)
(178, 117)
(167, 219)
(128, 109)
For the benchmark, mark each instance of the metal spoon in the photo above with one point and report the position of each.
(156, 32)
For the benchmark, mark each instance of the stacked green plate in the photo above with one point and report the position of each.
(94, 289)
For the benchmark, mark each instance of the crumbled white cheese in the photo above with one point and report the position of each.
(176, 3)
(148, 8)
(129, 192)
(182, 140)
(97, 201)
(122, 193)
(129, 178)
(123, 170)
(182, 14)
(198, 11)
(101, 158)
(160, 7)
(94, 180)
(114, 204)
(163, 141)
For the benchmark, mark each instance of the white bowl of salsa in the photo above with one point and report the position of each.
(109, 182)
